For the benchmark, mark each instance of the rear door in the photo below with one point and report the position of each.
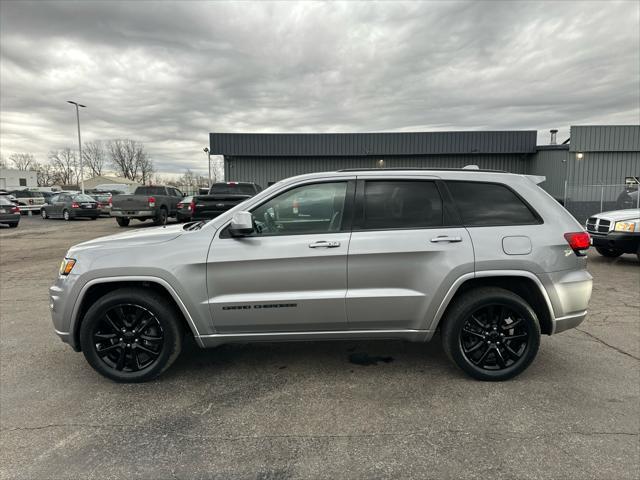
(407, 248)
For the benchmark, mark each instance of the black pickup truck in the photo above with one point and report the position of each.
(222, 197)
(147, 202)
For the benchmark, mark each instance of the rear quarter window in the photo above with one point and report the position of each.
(490, 204)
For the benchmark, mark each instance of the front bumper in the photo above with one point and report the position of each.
(60, 306)
(625, 241)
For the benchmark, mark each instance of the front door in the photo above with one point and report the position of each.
(406, 250)
(291, 273)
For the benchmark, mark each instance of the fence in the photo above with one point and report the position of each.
(585, 200)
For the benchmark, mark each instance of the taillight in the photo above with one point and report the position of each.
(75, 205)
(192, 206)
(15, 210)
(110, 202)
(180, 205)
(578, 241)
(152, 201)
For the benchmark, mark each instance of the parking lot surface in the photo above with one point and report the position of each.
(304, 410)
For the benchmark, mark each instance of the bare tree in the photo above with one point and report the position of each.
(130, 160)
(45, 174)
(65, 166)
(94, 157)
(22, 161)
(3, 162)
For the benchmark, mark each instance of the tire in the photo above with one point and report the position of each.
(93, 218)
(609, 252)
(123, 221)
(43, 214)
(482, 349)
(65, 215)
(161, 218)
(124, 358)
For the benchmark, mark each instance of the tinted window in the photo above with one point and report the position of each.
(316, 208)
(151, 191)
(83, 198)
(232, 188)
(401, 204)
(489, 204)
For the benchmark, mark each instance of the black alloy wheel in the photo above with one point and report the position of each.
(491, 333)
(131, 334)
(129, 338)
(494, 337)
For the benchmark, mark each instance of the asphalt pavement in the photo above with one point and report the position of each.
(312, 410)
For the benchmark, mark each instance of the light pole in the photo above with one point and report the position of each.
(206, 150)
(79, 142)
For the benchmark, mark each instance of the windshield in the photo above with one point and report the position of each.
(232, 189)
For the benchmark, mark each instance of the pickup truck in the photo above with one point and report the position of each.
(222, 196)
(156, 203)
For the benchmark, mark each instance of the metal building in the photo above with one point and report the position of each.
(575, 171)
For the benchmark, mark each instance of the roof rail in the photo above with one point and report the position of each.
(468, 167)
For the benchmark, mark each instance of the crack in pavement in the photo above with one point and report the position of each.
(499, 434)
(619, 350)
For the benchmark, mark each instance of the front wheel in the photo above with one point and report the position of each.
(43, 214)
(123, 221)
(131, 335)
(609, 252)
(66, 215)
(491, 333)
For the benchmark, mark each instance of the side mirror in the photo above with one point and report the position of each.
(184, 195)
(241, 224)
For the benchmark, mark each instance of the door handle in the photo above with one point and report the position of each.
(444, 238)
(323, 244)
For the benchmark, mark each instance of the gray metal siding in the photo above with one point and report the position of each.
(552, 164)
(365, 144)
(263, 171)
(610, 138)
(603, 168)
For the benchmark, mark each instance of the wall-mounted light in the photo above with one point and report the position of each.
(380, 163)
(579, 156)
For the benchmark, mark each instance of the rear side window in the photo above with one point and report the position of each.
(401, 204)
(485, 204)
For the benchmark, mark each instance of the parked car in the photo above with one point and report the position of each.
(9, 212)
(28, 200)
(48, 196)
(185, 209)
(487, 258)
(153, 202)
(615, 233)
(628, 198)
(222, 197)
(71, 205)
(104, 200)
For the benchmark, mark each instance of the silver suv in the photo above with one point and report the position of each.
(487, 258)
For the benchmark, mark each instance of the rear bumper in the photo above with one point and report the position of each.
(9, 217)
(90, 213)
(133, 213)
(627, 242)
(569, 293)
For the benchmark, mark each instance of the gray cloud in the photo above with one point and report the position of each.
(170, 73)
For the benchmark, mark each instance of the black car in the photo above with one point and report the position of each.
(185, 209)
(71, 205)
(222, 197)
(9, 212)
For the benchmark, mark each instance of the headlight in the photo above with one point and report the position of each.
(66, 266)
(628, 226)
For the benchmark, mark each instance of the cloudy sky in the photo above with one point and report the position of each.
(169, 73)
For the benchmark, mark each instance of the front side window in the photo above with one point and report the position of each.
(401, 204)
(317, 208)
(486, 204)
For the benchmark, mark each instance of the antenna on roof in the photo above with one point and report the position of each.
(471, 167)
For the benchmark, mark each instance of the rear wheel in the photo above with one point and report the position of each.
(131, 335)
(161, 218)
(66, 215)
(122, 221)
(491, 333)
(609, 252)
